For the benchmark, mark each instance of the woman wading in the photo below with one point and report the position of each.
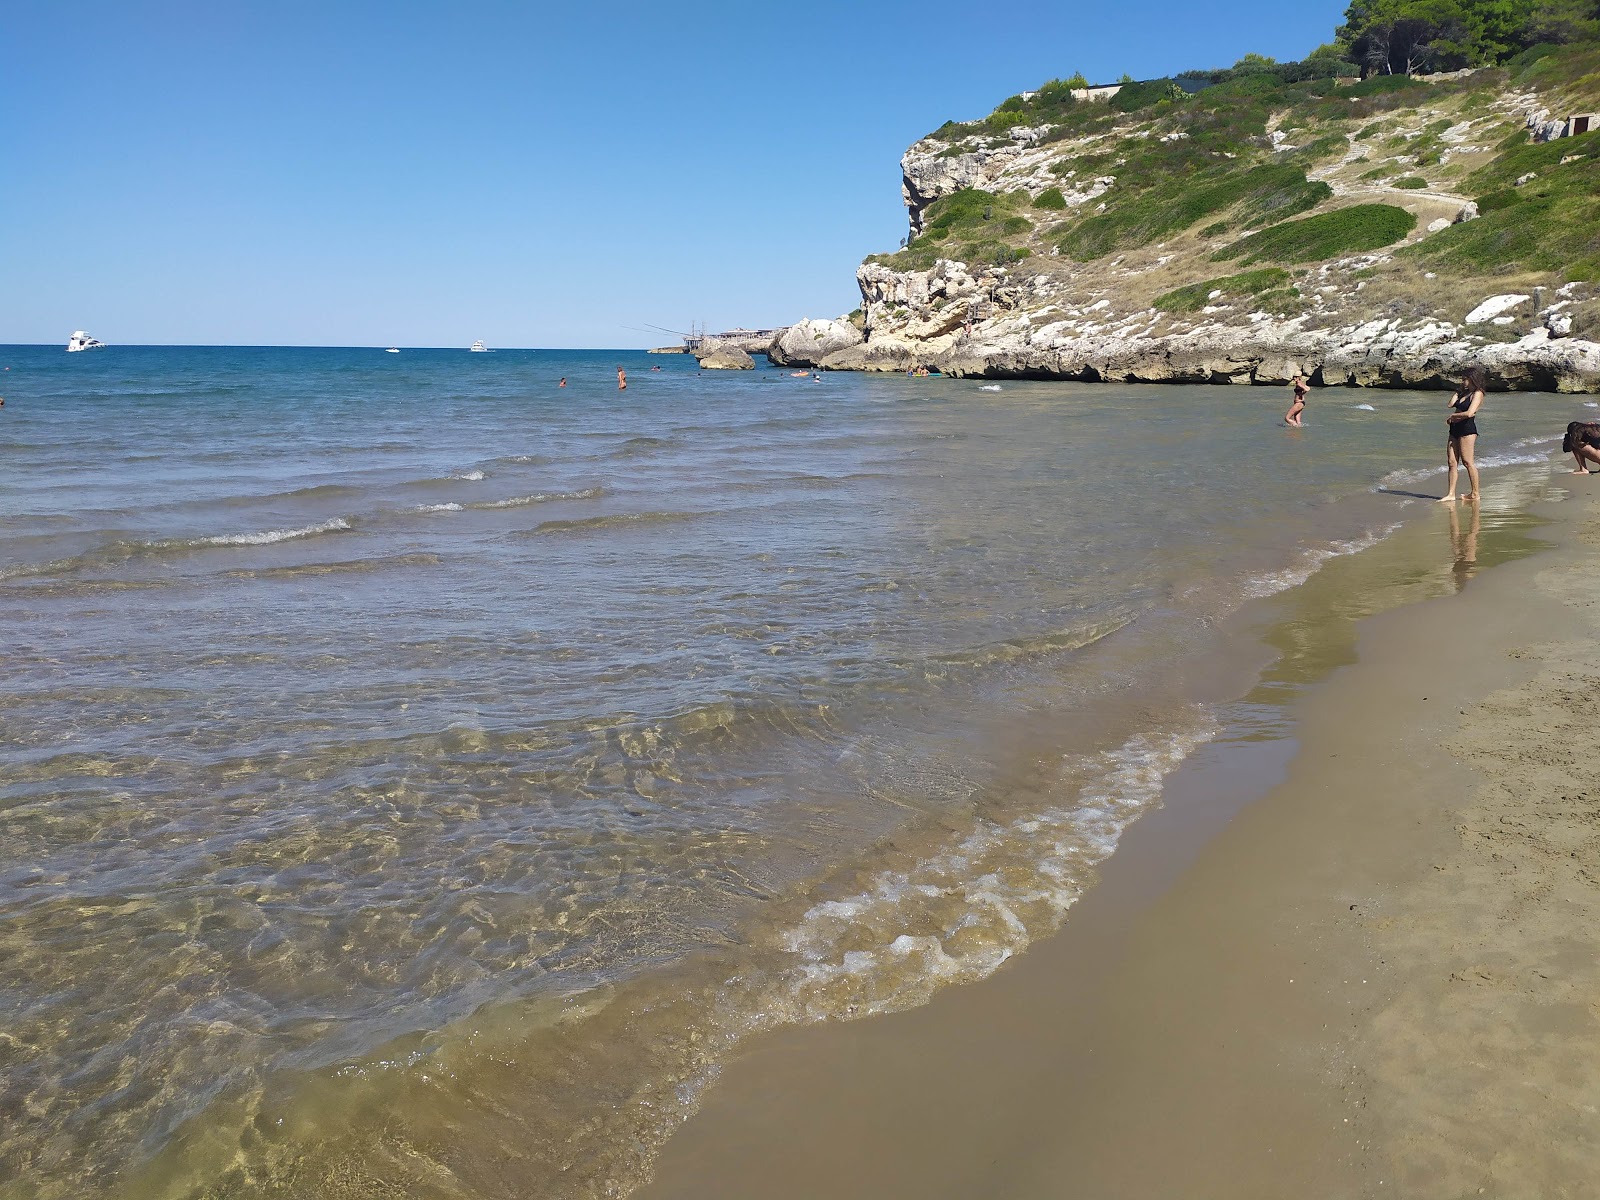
(1463, 439)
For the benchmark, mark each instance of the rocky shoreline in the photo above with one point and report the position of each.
(1380, 319)
(1381, 353)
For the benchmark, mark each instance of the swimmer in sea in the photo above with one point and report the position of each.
(1292, 417)
(563, 382)
(622, 380)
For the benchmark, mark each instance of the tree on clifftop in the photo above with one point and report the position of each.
(1405, 36)
(1402, 37)
(1563, 21)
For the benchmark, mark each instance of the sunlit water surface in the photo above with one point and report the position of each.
(415, 775)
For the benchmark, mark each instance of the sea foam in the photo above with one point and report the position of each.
(266, 538)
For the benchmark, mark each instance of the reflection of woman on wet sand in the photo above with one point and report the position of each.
(1583, 443)
(1464, 545)
(1460, 445)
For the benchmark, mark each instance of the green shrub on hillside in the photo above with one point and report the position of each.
(1410, 183)
(1551, 223)
(1381, 85)
(1050, 198)
(1328, 235)
(1134, 96)
(1262, 194)
(971, 225)
(1523, 157)
(1195, 296)
(1495, 201)
(1331, 145)
(1556, 67)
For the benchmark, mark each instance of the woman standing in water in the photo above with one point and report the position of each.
(1292, 417)
(1463, 425)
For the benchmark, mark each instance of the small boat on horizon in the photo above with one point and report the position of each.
(392, 350)
(479, 348)
(82, 341)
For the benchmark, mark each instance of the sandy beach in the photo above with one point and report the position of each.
(1359, 959)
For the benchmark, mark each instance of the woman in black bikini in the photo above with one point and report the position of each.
(1292, 417)
(1464, 406)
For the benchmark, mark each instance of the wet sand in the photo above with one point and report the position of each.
(1361, 960)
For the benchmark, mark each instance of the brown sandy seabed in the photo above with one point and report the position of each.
(1382, 979)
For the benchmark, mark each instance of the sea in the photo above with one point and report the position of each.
(418, 777)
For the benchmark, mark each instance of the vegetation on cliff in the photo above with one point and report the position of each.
(1359, 169)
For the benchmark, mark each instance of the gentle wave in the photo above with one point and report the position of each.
(592, 524)
(119, 552)
(266, 538)
(541, 498)
(350, 566)
(1037, 646)
(436, 481)
(1418, 474)
(957, 916)
(513, 501)
(1310, 562)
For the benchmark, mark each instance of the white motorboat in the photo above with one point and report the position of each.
(392, 350)
(82, 341)
(479, 348)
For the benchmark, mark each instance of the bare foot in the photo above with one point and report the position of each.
(1470, 496)
(1580, 471)
(1447, 499)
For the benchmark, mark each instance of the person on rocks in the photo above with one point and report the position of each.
(1583, 443)
(1463, 433)
(1292, 417)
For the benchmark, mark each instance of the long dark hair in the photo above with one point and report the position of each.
(1475, 379)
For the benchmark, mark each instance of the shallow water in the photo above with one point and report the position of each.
(416, 775)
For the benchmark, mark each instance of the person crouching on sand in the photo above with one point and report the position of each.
(1463, 437)
(1583, 443)
(1292, 417)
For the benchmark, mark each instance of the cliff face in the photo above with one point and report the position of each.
(1247, 234)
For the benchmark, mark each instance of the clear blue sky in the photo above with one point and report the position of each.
(363, 173)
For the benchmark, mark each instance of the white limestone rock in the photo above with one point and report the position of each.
(717, 355)
(1493, 307)
(806, 343)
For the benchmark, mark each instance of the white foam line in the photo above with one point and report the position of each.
(959, 915)
(337, 525)
(1310, 563)
(540, 498)
(1417, 475)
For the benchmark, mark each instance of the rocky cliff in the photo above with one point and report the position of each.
(1386, 233)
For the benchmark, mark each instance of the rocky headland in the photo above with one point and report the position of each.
(1385, 233)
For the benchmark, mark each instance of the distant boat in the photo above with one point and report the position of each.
(82, 341)
(392, 350)
(480, 348)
